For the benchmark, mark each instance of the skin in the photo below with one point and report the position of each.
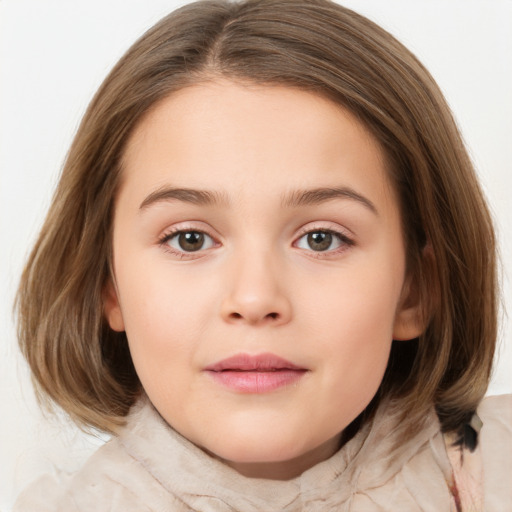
(257, 285)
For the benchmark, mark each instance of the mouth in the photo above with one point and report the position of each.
(261, 373)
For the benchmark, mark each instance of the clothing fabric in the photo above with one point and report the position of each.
(151, 468)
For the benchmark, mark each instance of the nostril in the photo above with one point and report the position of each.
(238, 316)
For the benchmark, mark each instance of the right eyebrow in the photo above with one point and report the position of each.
(187, 195)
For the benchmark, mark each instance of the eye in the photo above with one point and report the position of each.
(322, 240)
(188, 241)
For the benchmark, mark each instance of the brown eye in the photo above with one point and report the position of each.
(319, 240)
(323, 240)
(189, 241)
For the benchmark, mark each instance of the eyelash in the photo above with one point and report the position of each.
(344, 241)
(172, 233)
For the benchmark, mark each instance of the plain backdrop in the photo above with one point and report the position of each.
(53, 56)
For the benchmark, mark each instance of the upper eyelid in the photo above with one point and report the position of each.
(170, 233)
(326, 226)
(184, 227)
(166, 236)
(348, 240)
(187, 226)
(346, 237)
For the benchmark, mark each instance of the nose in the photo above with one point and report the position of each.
(255, 292)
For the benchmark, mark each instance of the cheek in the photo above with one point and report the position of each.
(167, 315)
(361, 299)
(352, 319)
(357, 342)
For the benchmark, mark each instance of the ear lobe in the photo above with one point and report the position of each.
(111, 307)
(410, 319)
(408, 324)
(419, 299)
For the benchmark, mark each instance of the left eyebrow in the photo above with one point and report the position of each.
(321, 195)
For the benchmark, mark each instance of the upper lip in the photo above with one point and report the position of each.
(247, 362)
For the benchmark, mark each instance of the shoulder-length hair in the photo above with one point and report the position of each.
(316, 45)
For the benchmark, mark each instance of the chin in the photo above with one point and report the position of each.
(254, 442)
(255, 452)
(272, 457)
(273, 451)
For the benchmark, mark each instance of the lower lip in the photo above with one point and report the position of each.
(257, 381)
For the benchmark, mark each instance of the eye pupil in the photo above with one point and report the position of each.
(191, 241)
(319, 240)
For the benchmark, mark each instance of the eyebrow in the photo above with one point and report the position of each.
(320, 195)
(294, 199)
(186, 195)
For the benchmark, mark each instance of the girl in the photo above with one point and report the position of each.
(269, 271)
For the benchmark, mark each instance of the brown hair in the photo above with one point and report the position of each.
(316, 45)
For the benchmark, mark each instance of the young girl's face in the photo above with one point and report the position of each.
(259, 271)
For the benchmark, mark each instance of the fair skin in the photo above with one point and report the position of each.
(293, 247)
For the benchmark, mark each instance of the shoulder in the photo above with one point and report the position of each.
(495, 436)
(495, 441)
(105, 478)
(112, 478)
(497, 412)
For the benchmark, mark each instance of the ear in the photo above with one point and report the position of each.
(409, 318)
(111, 307)
(414, 308)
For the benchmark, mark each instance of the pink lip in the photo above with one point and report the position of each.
(255, 374)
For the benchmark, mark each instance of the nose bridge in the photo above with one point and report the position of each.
(256, 292)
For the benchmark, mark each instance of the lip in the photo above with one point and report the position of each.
(260, 373)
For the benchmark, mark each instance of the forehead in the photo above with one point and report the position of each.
(237, 138)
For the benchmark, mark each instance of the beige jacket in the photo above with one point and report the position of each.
(149, 467)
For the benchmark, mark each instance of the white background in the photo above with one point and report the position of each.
(55, 53)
